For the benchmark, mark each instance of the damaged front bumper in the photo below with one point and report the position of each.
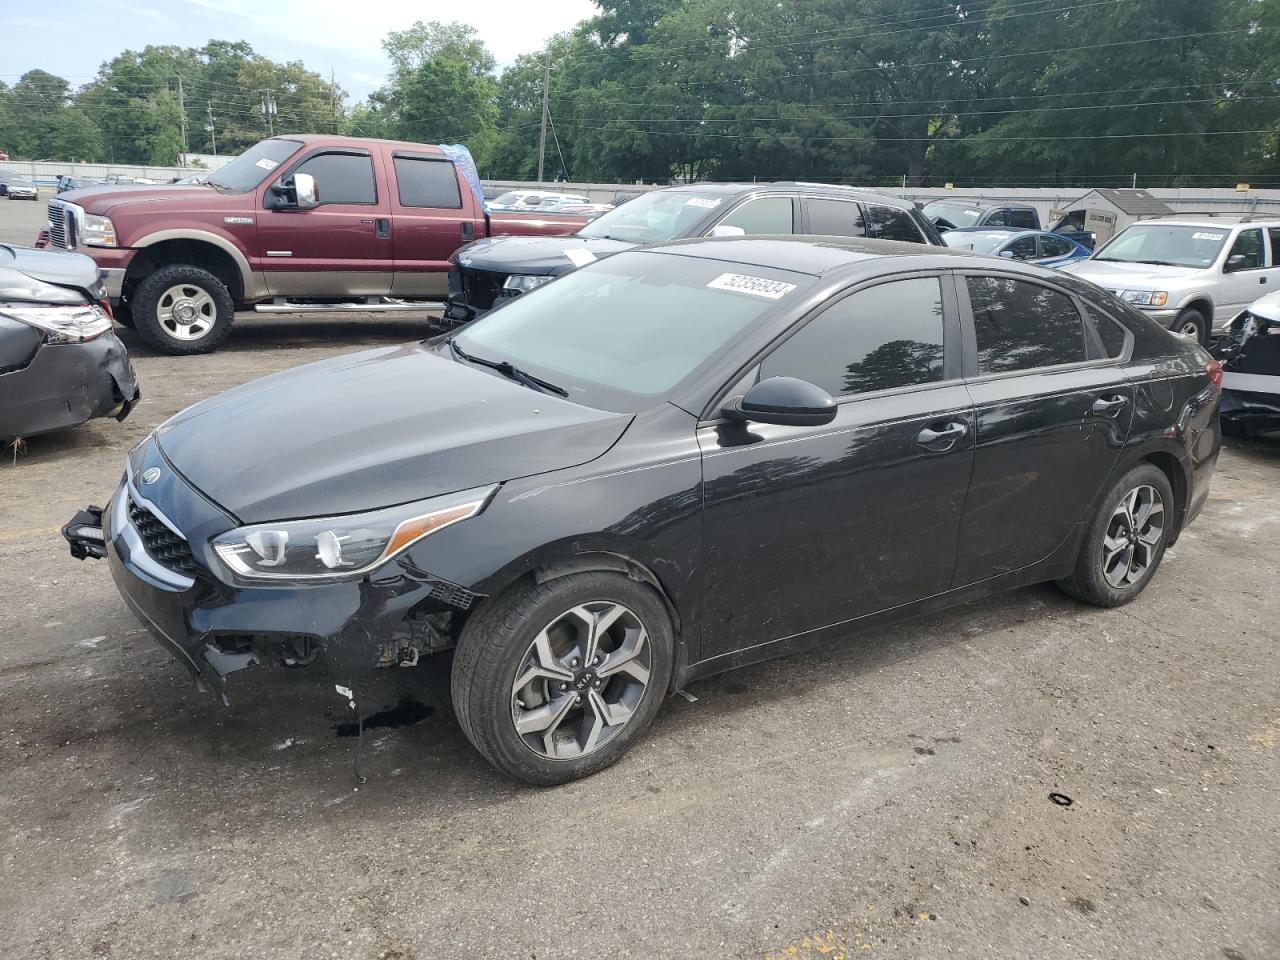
(156, 544)
(67, 384)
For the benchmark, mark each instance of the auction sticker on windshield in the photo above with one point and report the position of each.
(709, 203)
(579, 257)
(267, 164)
(756, 286)
(1207, 236)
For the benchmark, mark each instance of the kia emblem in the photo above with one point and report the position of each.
(151, 475)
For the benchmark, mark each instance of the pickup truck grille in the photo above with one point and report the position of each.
(57, 224)
(162, 544)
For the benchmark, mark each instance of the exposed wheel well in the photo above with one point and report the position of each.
(1204, 307)
(197, 253)
(1168, 464)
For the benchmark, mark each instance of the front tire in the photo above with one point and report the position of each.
(1192, 325)
(182, 310)
(553, 682)
(1126, 541)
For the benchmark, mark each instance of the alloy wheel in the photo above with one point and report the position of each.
(581, 680)
(1133, 535)
(186, 312)
(1190, 331)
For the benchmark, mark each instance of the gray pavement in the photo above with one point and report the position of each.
(884, 797)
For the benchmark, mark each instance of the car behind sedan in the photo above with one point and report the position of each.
(672, 462)
(1032, 246)
(60, 364)
(21, 189)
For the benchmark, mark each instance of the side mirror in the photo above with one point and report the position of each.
(783, 400)
(1007, 254)
(298, 192)
(725, 230)
(1235, 262)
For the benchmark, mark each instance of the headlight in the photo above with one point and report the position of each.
(341, 548)
(97, 231)
(522, 284)
(63, 324)
(1145, 298)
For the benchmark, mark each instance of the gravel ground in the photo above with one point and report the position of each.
(885, 797)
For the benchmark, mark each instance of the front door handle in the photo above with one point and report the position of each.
(382, 228)
(1108, 405)
(944, 439)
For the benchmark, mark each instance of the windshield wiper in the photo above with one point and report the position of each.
(509, 370)
(1158, 263)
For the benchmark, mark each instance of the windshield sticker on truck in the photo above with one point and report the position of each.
(756, 286)
(1207, 236)
(974, 213)
(707, 203)
(579, 257)
(266, 164)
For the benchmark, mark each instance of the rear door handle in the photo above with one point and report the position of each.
(1108, 405)
(468, 230)
(944, 439)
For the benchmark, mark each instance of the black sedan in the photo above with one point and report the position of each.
(60, 364)
(670, 463)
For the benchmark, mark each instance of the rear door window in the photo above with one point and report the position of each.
(881, 338)
(765, 215)
(1025, 219)
(835, 218)
(342, 177)
(427, 183)
(1020, 325)
(1054, 247)
(890, 223)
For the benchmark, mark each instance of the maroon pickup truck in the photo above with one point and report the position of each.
(295, 223)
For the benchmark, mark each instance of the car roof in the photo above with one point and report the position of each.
(1200, 220)
(818, 255)
(824, 190)
(981, 204)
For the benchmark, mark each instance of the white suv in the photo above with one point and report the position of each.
(1191, 273)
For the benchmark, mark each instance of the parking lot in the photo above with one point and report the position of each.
(886, 797)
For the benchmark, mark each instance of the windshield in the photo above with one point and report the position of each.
(1169, 244)
(654, 217)
(254, 165)
(624, 331)
(978, 242)
(954, 214)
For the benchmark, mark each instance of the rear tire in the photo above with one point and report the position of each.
(1190, 323)
(1126, 541)
(522, 660)
(182, 310)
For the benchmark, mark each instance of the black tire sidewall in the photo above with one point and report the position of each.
(494, 643)
(1088, 582)
(145, 302)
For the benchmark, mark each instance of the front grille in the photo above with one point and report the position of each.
(57, 224)
(481, 288)
(162, 544)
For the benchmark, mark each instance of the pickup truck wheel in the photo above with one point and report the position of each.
(555, 681)
(182, 310)
(1191, 324)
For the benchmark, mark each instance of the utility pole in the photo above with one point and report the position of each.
(209, 126)
(333, 98)
(546, 106)
(182, 109)
(269, 110)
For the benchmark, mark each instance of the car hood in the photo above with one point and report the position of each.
(375, 429)
(538, 256)
(1116, 274)
(104, 199)
(24, 272)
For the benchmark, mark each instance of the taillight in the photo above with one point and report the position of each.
(1214, 369)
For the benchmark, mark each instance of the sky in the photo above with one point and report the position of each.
(323, 34)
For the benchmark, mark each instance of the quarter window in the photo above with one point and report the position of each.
(890, 223)
(766, 215)
(1109, 331)
(836, 218)
(1022, 325)
(1248, 245)
(342, 177)
(427, 183)
(1055, 246)
(878, 339)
